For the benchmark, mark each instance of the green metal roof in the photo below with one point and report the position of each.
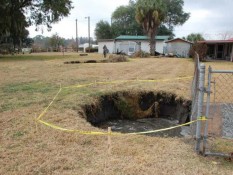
(130, 37)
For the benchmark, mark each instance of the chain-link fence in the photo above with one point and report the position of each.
(215, 102)
(221, 103)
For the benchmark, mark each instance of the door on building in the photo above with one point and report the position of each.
(220, 51)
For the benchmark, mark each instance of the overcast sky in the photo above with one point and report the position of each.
(212, 18)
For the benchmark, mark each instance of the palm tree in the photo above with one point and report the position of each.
(194, 37)
(150, 14)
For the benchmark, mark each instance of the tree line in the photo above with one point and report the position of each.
(139, 17)
(17, 15)
(144, 17)
(55, 42)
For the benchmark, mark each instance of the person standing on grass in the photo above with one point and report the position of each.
(105, 49)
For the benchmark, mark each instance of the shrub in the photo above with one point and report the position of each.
(141, 54)
(117, 58)
(6, 49)
(201, 49)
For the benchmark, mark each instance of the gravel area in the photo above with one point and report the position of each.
(227, 113)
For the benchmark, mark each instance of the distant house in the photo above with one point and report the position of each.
(26, 50)
(178, 47)
(219, 49)
(130, 44)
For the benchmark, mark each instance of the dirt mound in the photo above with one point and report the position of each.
(117, 58)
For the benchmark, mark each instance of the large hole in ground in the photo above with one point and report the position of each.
(128, 112)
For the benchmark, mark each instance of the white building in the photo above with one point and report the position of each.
(178, 47)
(109, 43)
(129, 44)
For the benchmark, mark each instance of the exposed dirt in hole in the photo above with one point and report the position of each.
(138, 111)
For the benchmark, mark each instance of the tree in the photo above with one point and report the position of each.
(175, 14)
(226, 35)
(194, 37)
(4, 18)
(163, 30)
(103, 30)
(16, 15)
(28, 42)
(201, 49)
(152, 13)
(123, 21)
(56, 41)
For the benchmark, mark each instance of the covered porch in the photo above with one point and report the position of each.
(219, 49)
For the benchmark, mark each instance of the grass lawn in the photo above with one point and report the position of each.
(28, 83)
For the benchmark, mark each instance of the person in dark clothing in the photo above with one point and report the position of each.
(105, 50)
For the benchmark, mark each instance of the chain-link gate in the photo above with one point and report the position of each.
(215, 102)
(220, 106)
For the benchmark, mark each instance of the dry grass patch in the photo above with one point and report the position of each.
(26, 147)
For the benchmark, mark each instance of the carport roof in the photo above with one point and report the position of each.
(131, 37)
(216, 41)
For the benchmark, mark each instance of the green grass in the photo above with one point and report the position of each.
(48, 56)
(31, 87)
(18, 134)
(19, 95)
(33, 57)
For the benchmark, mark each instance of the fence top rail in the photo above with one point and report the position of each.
(221, 71)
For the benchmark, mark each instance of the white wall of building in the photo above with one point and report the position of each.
(159, 46)
(128, 46)
(85, 45)
(109, 44)
(145, 46)
(179, 48)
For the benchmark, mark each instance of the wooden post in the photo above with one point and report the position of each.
(36, 123)
(109, 140)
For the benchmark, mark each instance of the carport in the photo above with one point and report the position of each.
(219, 49)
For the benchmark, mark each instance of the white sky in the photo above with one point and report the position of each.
(212, 18)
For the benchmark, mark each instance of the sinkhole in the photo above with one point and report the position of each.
(139, 111)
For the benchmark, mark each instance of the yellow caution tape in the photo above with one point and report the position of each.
(46, 109)
(89, 84)
(72, 130)
(202, 118)
(117, 134)
(107, 82)
(124, 81)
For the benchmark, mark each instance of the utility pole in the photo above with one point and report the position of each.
(89, 38)
(76, 34)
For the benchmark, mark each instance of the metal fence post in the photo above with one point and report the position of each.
(207, 110)
(200, 105)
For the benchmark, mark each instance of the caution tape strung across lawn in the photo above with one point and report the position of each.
(38, 119)
(124, 81)
(117, 134)
(46, 109)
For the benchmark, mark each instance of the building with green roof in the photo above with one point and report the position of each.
(129, 44)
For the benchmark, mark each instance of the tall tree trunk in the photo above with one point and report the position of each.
(152, 42)
(153, 32)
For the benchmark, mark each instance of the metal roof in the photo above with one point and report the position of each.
(105, 40)
(216, 41)
(131, 37)
(178, 39)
